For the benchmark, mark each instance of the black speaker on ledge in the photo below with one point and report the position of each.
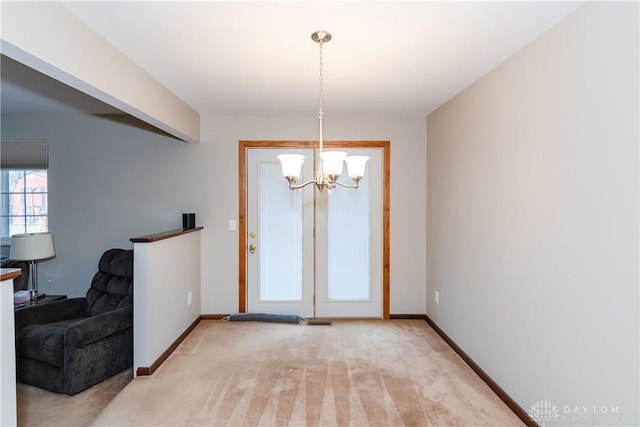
(188, 220)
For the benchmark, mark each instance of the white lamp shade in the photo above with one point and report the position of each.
(31, 247)
(291, 164)
(332, 162)
(356, 165)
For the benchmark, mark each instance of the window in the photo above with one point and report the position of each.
(24, 206)
(24, 202)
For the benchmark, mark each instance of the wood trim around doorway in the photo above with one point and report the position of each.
(242, 207)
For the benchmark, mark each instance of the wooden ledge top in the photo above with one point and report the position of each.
(150, 238)
(9, 273)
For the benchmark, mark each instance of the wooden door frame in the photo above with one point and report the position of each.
(242, 207)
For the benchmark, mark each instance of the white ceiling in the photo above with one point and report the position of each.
(258, 57)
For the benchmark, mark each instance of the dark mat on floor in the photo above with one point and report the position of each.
(263, 317)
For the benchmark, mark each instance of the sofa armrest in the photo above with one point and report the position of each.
(52, 312)
(94, 328)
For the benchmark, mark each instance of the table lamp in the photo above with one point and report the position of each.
(32, 247)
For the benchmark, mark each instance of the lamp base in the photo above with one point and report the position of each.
(35, 295)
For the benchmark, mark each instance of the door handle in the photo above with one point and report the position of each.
(252, 248)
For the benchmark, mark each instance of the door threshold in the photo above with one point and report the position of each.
(318, 322)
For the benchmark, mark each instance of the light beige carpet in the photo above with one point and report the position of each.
(354, 373)
(40, 408)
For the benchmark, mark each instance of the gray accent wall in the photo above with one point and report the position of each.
(110, 178)
(532, 219)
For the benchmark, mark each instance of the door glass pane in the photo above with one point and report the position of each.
(348, 242)
(280, 248)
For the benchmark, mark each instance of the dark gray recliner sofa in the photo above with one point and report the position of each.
(69, 345)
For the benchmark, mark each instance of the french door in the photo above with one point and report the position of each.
(311, 253)
(280, 245)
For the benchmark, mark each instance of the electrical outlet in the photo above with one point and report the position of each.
(436, 297)
(189, 298)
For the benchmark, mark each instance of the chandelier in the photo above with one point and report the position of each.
(329, 163)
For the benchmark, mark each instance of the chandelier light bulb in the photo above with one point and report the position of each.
(332, 162)
(291, 164)
(356, 166)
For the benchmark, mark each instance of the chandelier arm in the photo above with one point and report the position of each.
(297, 187)
(355, 184)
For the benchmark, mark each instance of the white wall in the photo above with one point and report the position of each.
(533, 219)
(166, 300)
(408, 160)
(110, 182)
(8, 409)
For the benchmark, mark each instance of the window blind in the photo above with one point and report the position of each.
(24, 155)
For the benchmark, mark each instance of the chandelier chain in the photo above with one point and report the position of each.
(321, 82)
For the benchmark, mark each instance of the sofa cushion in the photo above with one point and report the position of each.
(117, 262)
(108, 293)
(112, 285)
(43, 342)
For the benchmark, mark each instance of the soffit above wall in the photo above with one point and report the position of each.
(48, 38)
(24, 90)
